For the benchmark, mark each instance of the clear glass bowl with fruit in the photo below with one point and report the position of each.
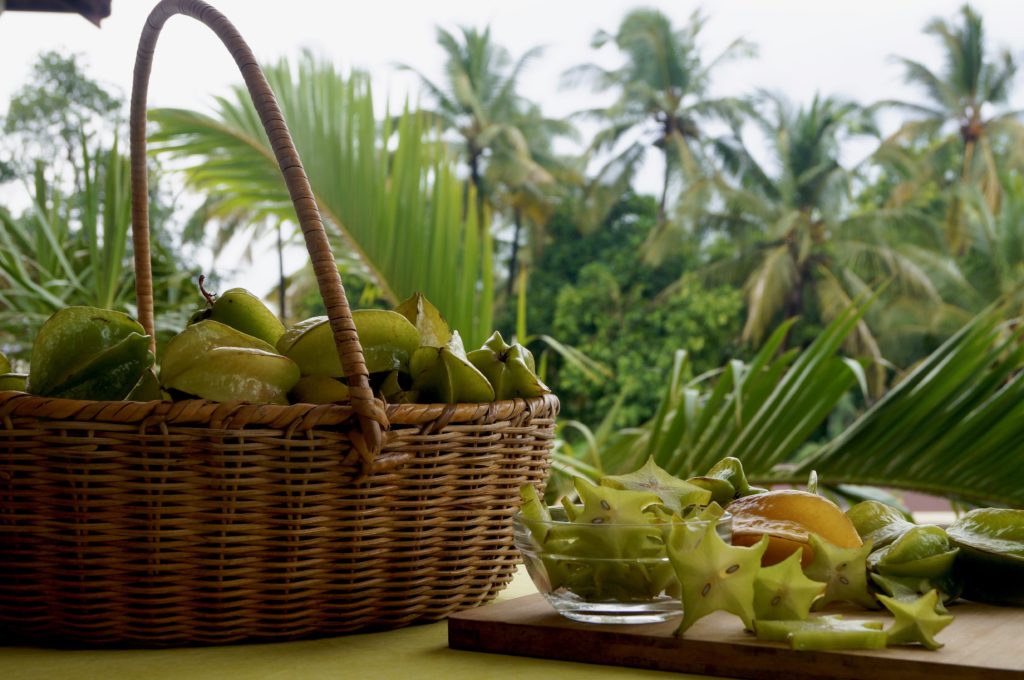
(597, 562)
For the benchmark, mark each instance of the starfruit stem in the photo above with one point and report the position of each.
(210, 297)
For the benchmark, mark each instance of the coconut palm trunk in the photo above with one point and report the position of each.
(513, 261)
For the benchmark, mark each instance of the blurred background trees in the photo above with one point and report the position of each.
(505, 216)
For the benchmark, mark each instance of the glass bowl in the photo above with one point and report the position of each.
(605, 573)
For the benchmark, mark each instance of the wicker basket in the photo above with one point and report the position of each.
(195, 522)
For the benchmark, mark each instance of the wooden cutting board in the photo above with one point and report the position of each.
(982, 643)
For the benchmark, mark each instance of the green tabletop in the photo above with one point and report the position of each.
(406, 654)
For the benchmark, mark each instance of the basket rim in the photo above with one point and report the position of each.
(233, 414)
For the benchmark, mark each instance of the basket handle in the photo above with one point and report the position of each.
(370, 411)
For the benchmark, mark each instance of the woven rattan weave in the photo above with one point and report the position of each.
(194, 522)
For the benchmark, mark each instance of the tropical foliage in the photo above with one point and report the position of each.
(662, 100)
(959, 119)
(771, 300)
(951, 427)
(389, 193)
(72, 250)
(503, 139)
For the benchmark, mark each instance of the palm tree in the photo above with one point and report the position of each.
(993, 264)
(802, 248)
(662, 97)
(965, 114)
(530, 193)
(480, 102)
(388, 193)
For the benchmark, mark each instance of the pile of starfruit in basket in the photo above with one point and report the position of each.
(235, 349)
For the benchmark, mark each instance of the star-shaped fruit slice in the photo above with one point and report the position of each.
(674, 493)
(843, 571)
(782, 592)
(714, 575)
(626, 531)
(909, 588)
(824, 633)
(916, 621)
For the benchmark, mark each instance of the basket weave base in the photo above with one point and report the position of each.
(155, 532)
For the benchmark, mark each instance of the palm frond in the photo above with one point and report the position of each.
(761, 412)
(953, 426)
(398, 207)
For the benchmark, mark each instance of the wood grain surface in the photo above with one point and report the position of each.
(982, 642)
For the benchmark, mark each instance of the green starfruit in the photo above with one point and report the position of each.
(843, 571)
(714, 575)
(783, 592)
(675, 494)
(991, 560)
(88, 353)
(726, 481)
(917, 621)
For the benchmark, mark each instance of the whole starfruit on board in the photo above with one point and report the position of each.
(991, 559)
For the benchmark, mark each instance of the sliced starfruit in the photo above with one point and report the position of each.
(783, 592)
(824, 633)
(88, 353)
(674, 493)
(917, 621)
(714, 575)
(388, 340)
(844, 572)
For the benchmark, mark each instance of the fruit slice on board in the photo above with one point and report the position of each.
(673, 492)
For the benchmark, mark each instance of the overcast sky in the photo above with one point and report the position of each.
(833, 46)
